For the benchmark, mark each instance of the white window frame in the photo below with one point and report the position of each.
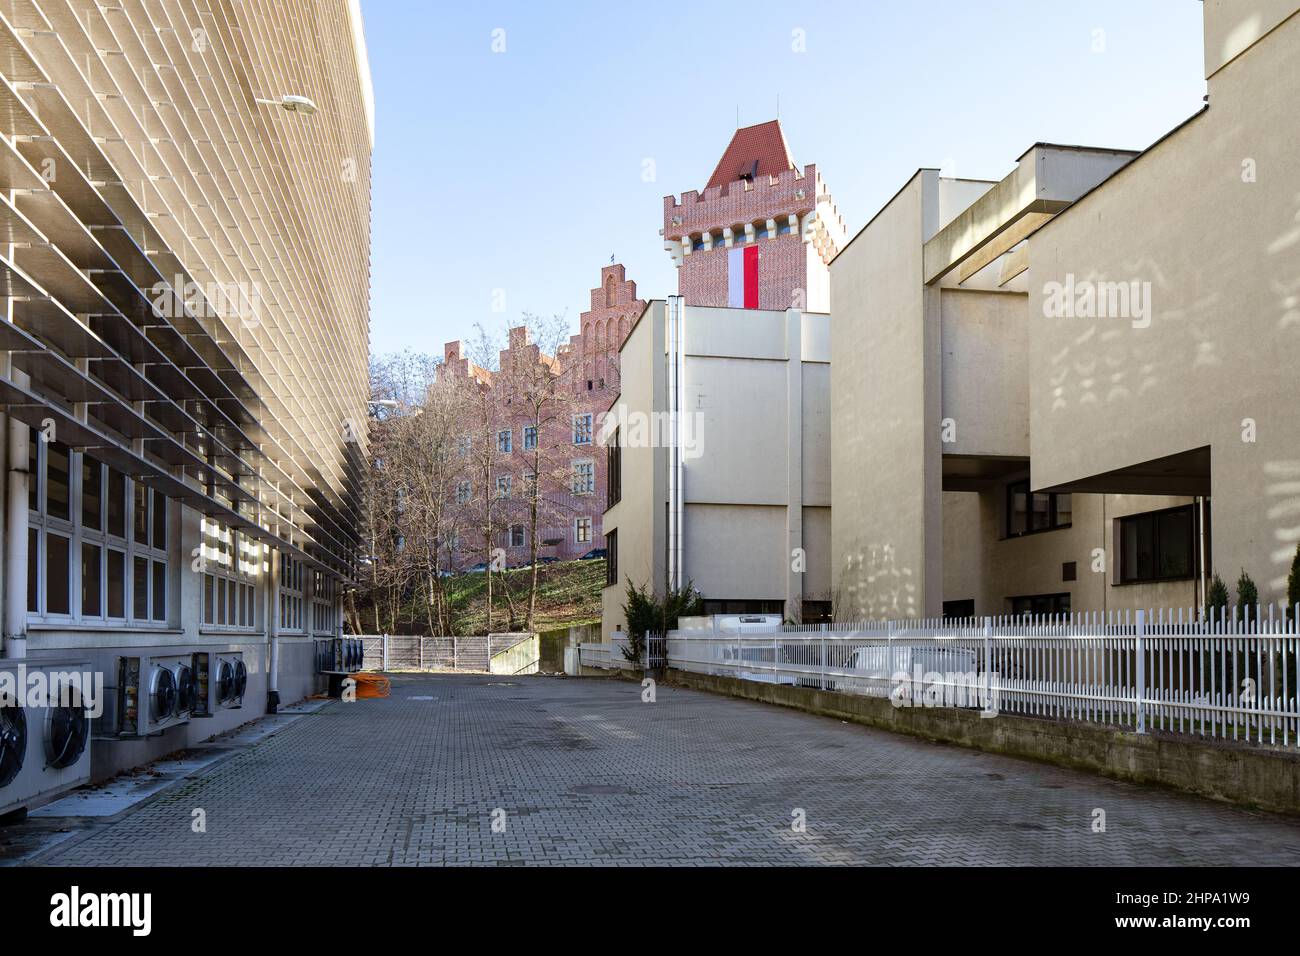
(530, 437)
(78, 535)
(523, 536)
(582, 429)
(503, 486)
(324, 604)
(464, 492)
(589, 486)
(579, 523)
(291, 604)
(505, 442)
(231, 563)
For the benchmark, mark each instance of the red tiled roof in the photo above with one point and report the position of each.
(764, 143)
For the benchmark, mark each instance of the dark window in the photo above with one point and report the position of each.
(56, 481)
(90, 585)
(140, 589)
(116, 584)
(116, 503)
(141, 515)
(1158, 546)
(57, 590)
(817, 612)
(1040, 604)
(1070, 571)
(33, 571)
(159, 591)
(91, 493)
(614, 471)
(160, 521)
(1028, 511)
(722, 606)
(611, 558)
(955, 610)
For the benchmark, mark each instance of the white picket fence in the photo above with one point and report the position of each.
(1231, 678)
(393, 652)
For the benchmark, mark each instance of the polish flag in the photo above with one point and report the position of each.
(742, 276)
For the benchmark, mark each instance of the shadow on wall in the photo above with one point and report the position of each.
(873, 586)
(1282, 486)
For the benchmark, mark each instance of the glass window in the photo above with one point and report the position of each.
(582, 429)
(1158, 546)
(160, 521)
(141, 521)
(33, 465)
(504, 439)
(209, 586)
(584, 477)
(57, 590)
(116, 504)
(91, 493)
(517, 536)
(1038, 511)
(57, 491)
(116, 584)
(159, 591)
(581, 530)
(33, 571)
(530, 437)
(140, 589)
(90, 580)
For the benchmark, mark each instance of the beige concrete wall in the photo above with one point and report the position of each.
(639, 516)
(1233, 26)
(1211, 218)
(982, 564)
(986, 372)
(756, 484)
(885, 452)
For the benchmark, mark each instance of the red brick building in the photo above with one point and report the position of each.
(762, 233)
(574, 487)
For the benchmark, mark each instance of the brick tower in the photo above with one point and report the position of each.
(761, 235)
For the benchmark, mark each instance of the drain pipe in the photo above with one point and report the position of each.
(15, 545)
(273, 631)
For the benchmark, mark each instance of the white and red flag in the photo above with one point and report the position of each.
(742, 276)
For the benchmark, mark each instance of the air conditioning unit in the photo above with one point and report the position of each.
(151, 694)
(229, 680)
(748, 623)
(340, 655)
(44, 743)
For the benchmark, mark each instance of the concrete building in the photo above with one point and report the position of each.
(186, 198)
(718, 439)
(572, 498)
(1069, 389)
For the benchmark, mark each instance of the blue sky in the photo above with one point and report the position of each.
(511, 177)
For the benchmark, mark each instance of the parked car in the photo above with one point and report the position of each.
(594, 554)
(477, 568)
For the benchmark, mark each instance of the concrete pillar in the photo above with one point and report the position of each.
(15, 541)
(273, 631)
(795, 557)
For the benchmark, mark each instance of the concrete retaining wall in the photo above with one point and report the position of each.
(1222, 770)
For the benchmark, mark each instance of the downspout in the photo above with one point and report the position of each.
(675, 363)
(1200, 534)
(273, 631)
(15, 546)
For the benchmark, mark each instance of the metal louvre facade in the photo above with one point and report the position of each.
(185, 268)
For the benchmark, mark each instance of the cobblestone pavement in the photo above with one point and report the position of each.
(582, 772)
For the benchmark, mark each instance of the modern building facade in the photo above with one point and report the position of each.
(1067, 390)
(573, 481)
(186, 194)
(718, 438)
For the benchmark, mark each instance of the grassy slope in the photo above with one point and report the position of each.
(567, 593)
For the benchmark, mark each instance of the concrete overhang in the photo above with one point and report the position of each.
(1046, 180)
(1186, 473)
(978, 472)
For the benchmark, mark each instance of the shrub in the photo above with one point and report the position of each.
(1216, 599)
(1293, 583)
(646, 612)
(1247, 594)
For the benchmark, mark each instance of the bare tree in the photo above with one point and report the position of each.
(537, 386)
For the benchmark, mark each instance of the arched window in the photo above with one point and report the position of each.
(609, 291)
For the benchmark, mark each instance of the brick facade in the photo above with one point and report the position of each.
(756, 194)
(588, 368)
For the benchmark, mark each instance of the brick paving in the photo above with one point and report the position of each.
(582, 772)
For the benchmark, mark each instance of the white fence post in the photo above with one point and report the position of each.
(384, 650)
(988, 664)
(1141, 672)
